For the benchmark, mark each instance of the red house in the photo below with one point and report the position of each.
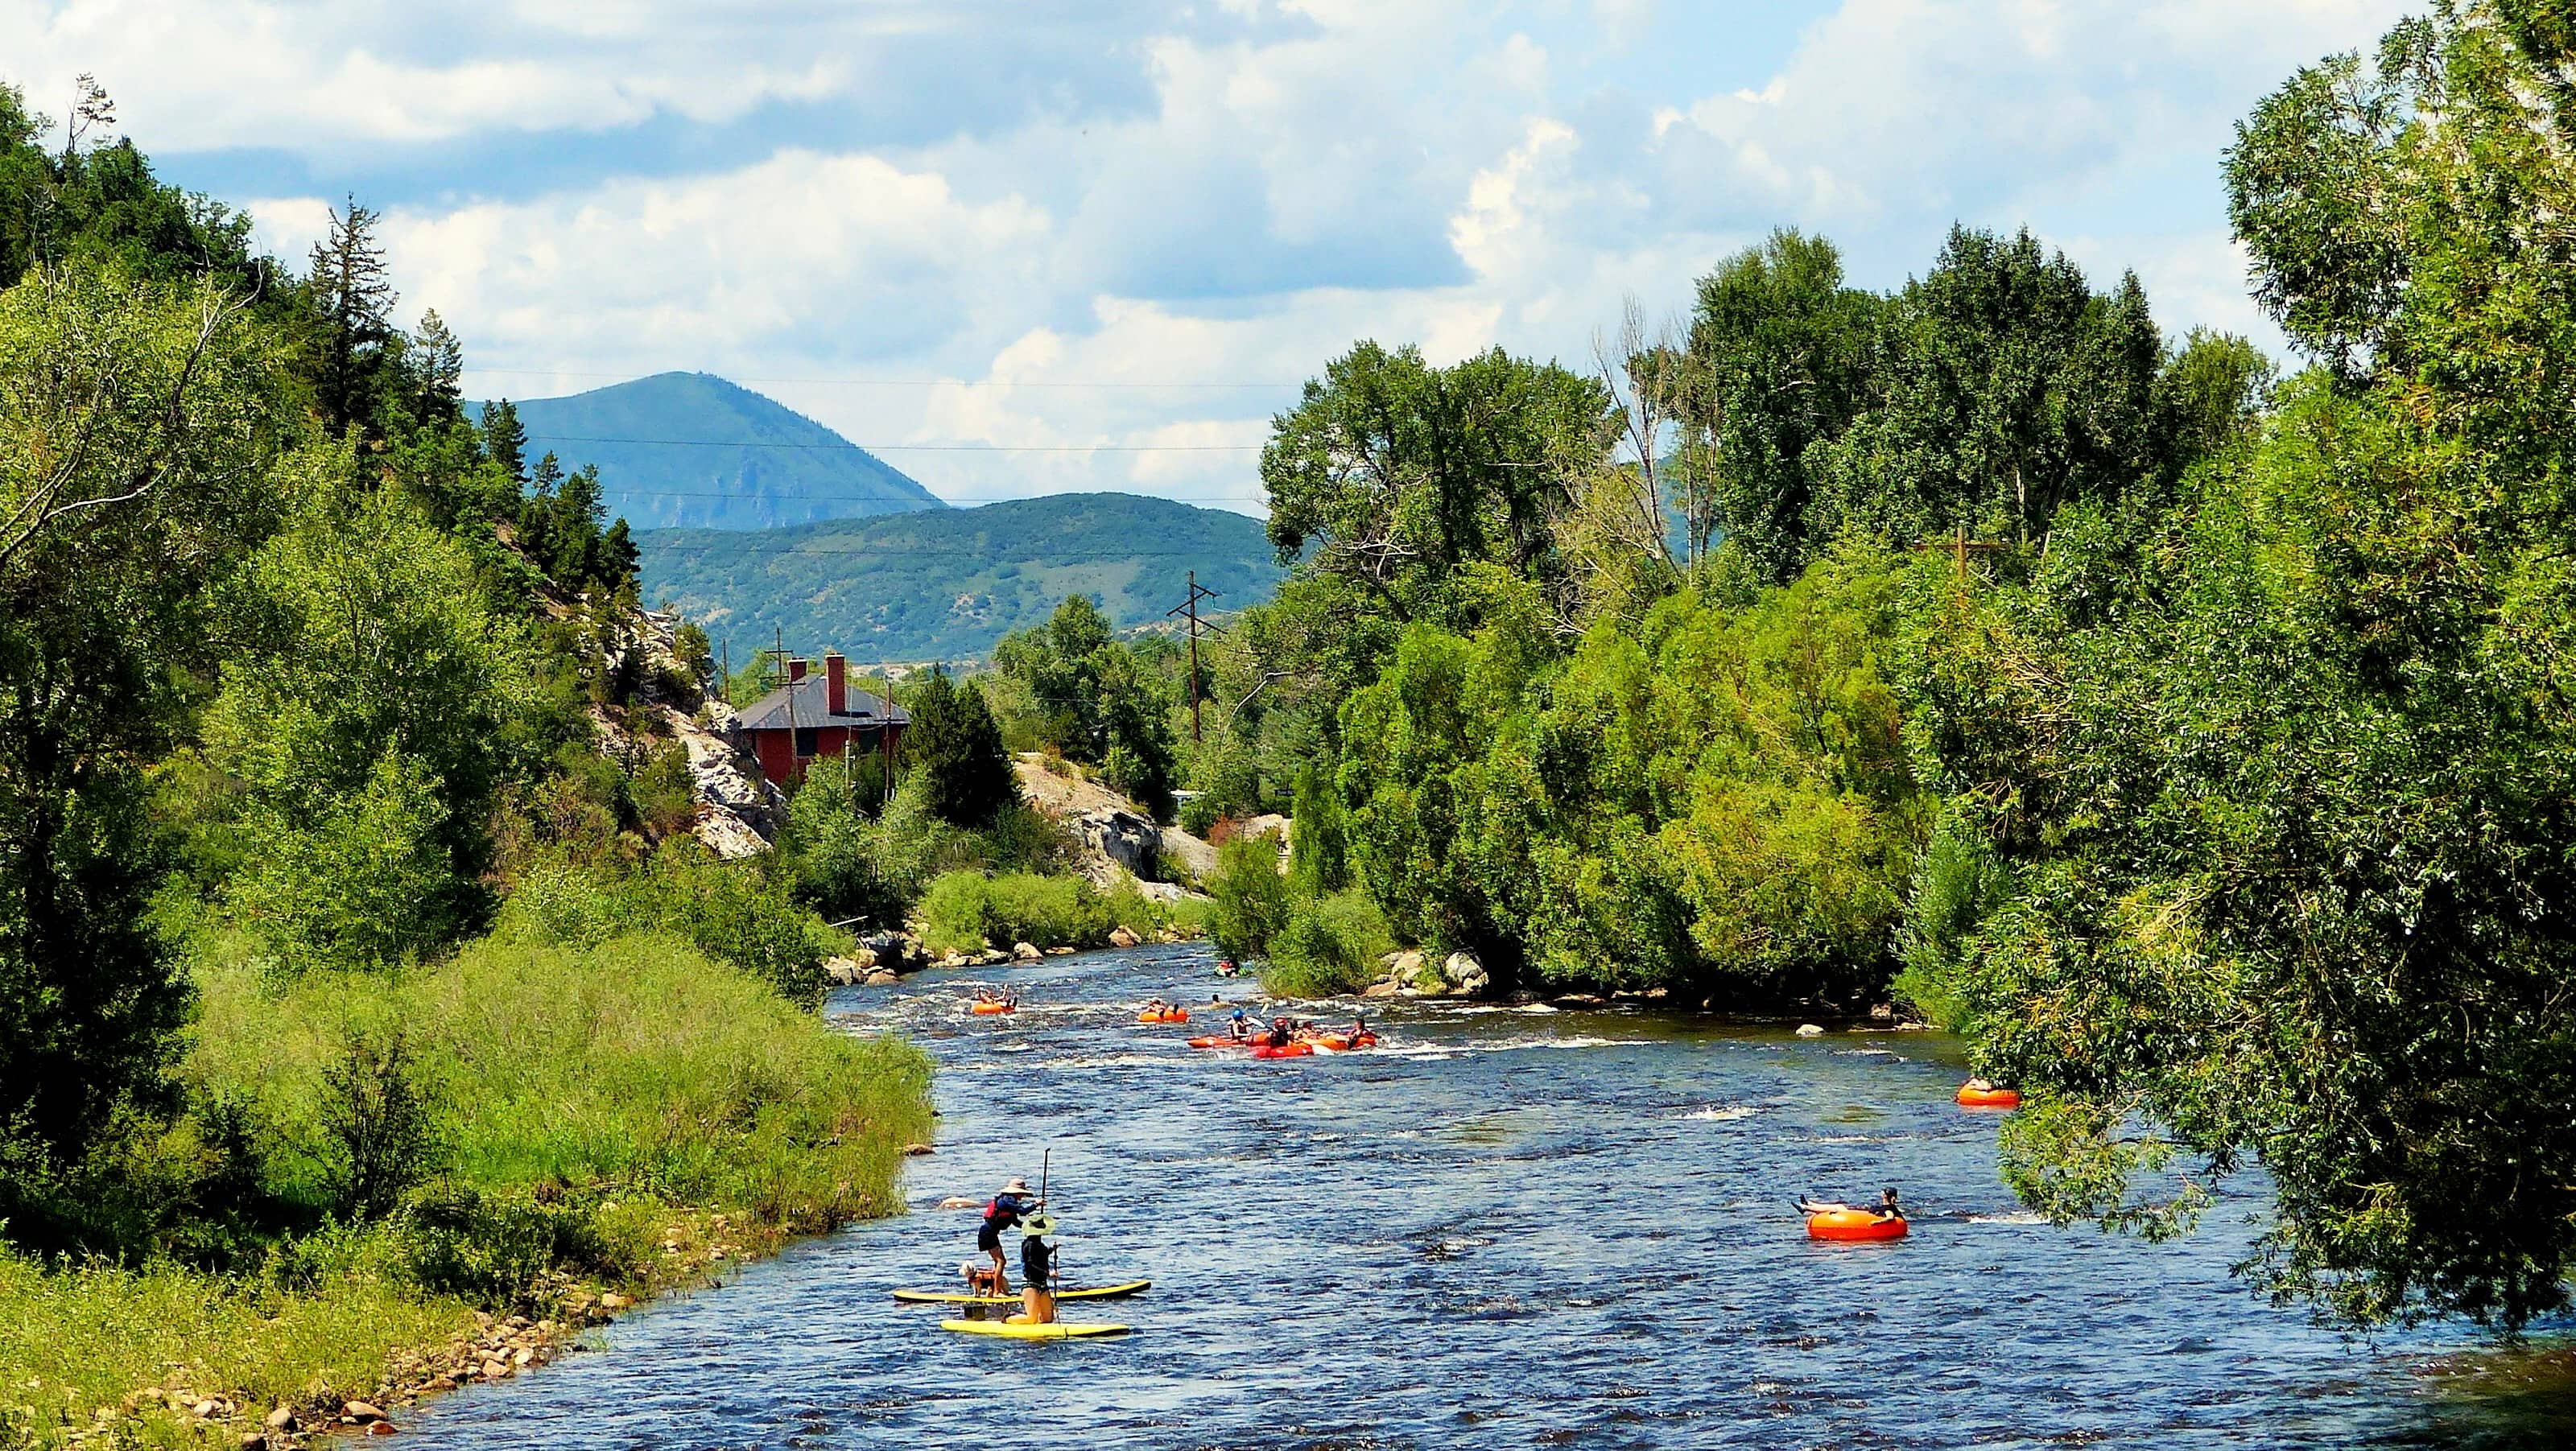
(814, 716)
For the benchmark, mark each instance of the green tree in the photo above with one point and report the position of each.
(1252, 902)
(136, 426)
(1395, 473)
(353, 299)
(2290, 815)
(2007, 387)
(505, 439)
(957, 747)
(1779, 360)
(361, 636)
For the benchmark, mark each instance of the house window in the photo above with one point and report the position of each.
(808, 740)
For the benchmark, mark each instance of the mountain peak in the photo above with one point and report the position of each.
(694, 450)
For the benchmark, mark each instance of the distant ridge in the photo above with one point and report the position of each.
(691, 450)
(947, 584)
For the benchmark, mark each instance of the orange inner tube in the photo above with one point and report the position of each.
(1854, 1224)
(1989, 1098)
(989, 1008)
(1176, 1015)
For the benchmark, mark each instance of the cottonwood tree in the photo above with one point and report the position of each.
(135, 439)
(2293, 885)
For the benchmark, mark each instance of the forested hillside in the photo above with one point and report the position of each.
(949, 584)
(2197, 741)
(690, 450)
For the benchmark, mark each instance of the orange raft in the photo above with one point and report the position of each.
(1854, 1224)
(1293, 1050)
(1344, 1042)
(982, 1008)
(1175, 1015)
(1973, 1097)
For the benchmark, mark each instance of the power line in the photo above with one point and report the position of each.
(899, 382)
(623, 492)
(1106, 556)
(537, 438)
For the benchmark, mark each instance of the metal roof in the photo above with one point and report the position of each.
(770, 713)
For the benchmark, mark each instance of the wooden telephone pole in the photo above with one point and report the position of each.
(1189, 610)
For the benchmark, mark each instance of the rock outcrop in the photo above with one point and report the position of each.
(1117, 839)
(1128, 841)
(1465, 975)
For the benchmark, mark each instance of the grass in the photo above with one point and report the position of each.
(637, 1064)
(616, 1114)
(76, 1343)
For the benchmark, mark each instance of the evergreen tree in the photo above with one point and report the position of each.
(956, 744)
(620, 562)
(437, 368)
(505, 439)
(353, 296)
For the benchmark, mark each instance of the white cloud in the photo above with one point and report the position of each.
(1285, 178)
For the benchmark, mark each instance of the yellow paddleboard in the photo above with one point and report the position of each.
(937, 1297)
(1010, 1331)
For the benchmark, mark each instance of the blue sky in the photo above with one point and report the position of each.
(1109, 237)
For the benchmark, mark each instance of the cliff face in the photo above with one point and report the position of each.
(1116, 833)
(736, 811)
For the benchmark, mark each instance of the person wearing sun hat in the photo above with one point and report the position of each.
(1003, 1213)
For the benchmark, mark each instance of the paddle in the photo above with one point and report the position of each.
(1055, 1257)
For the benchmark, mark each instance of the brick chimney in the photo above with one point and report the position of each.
(795, 671)
(835, 682)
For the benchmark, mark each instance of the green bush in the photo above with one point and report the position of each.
(1251, 899)
(496, 1249)
(1957, 882)
(369, 885)
(1328, 947)
(380, 1123)
(728, 910)
(968, 911)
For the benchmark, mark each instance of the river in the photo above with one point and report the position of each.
(1505, 1227)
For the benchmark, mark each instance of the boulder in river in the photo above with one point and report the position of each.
(1466, 976)
(1119, 936)
(1810, 1030)
(1026, 951)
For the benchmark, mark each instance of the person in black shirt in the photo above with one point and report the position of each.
(1037, 1275)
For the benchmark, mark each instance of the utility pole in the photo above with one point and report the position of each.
(1189, 610)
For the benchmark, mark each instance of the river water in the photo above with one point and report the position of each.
(1505, 1227)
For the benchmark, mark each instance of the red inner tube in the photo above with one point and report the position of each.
(1854, 1224)
(1989, 1098)
(1293, 1050)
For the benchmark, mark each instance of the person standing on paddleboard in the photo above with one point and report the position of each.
(1037, 1277)
(1003, 1213)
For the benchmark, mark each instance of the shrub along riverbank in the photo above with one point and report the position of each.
(516, 1130)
